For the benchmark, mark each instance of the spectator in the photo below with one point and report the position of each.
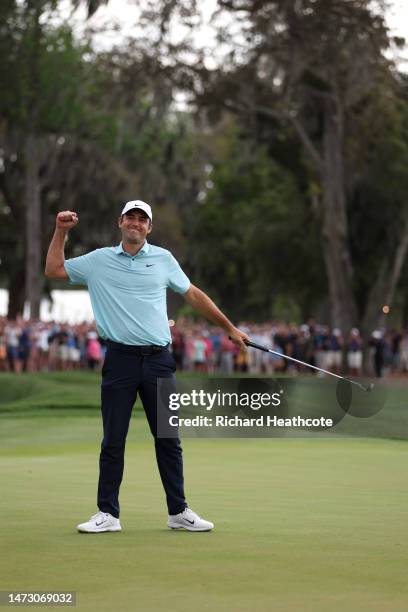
(215, 339)
(74, 353)
(12, 335)
(39, 346)
(43, 348)
(403, 363)
(395, 346)
(335, 351)
(24, 347)
(178, 346)
(199, 354)
(378, 345)
(355, 352)
(93, 351)
(227, 356)
(3, 351)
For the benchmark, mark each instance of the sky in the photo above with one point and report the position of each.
(70, 306)
(397, 19)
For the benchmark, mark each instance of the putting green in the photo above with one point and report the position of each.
(302, 525)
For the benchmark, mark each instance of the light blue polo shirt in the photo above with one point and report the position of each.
(128, 293)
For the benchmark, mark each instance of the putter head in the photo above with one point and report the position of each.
(366, 388)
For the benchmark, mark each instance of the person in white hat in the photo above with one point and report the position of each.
(127, 286)
(138, 205)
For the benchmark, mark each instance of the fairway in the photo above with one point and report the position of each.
(302, 525)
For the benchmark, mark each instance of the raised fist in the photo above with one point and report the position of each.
(66, 220)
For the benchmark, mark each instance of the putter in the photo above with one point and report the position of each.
(369, 387)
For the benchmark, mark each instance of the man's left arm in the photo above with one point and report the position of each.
(205, 306)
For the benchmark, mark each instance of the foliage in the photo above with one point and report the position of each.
(255, 238)
(379, 206)
(104, 131)
(252, 212)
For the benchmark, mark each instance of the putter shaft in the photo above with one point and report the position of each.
(308, 365)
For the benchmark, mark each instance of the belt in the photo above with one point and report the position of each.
(148, 349)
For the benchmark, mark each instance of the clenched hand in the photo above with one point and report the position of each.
(66, 220)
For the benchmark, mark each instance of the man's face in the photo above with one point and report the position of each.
(134, 226)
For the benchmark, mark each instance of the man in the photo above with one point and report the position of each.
(127, 286)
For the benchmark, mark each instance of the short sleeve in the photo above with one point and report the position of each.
(178, 281)
(79, 269)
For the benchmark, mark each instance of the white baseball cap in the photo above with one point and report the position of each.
(138, 204)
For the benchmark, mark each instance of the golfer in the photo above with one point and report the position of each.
(127, 286)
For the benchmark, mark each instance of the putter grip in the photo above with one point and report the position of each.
(254, 345)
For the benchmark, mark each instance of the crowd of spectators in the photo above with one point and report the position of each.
(36, 346)
(32, 346)
(199, 347)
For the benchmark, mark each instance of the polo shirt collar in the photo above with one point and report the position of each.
(120, 251)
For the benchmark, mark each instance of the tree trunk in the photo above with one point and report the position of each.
(16, 294)
(336, 251)
(33, 275)
(384, 287)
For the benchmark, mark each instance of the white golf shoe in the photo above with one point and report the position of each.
(99, 522)
(189, 520)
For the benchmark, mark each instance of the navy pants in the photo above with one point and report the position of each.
(126, 372)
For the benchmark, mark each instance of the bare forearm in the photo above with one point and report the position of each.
(54, 265)
(55, 256)
(205, 306)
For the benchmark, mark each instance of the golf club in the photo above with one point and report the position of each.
(369, 387)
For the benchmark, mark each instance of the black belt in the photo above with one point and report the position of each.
(148, 349)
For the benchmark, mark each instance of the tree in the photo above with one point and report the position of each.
(104, 130)
(318, 67)
(41, 71)
(379, 217)
(254, 241)
(38, 71)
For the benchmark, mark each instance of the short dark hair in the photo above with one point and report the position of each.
(140, 210)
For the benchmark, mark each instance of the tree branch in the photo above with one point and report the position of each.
(306, 141)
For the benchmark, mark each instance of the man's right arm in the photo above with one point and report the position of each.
(54, 265)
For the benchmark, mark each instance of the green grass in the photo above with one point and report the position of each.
(68, 391)
(301, 524)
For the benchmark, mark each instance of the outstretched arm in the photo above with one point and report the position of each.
(205, 306)
(54, 265)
